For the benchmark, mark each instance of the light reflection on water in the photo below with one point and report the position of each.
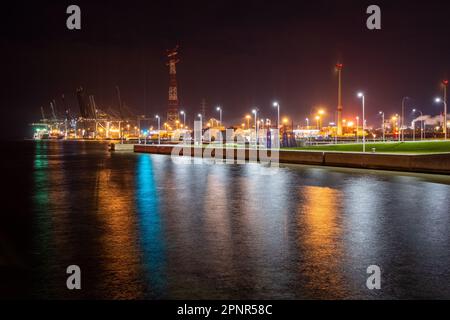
(141, 226)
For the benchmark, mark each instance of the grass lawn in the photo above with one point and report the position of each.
(387, 147)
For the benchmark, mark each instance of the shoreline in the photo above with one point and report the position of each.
(435, 163)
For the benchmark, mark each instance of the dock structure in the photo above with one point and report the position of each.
(421, 163)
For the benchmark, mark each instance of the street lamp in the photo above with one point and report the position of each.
(201, 128)
(396, 120)
(402, 123)
(317, 120)
(439, 100)
(307, 123)
(421, 122)
(159, 128)
(361, 96)
(220, 114)
(184, 117)
(277, 105)
(383, 125)
(255, 112)
(248, 117)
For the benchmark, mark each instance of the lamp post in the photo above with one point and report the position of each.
(201, 127)
(307, 123)
(321, 112)
(277, 105)
(159, 128)
(421, 122)
(247, 117)
(402, 123)
(220, 115)
(396, 123)
(438, 100)
(277, 136)
(361, 95)
(318, 122)
(383, 125)
(184, 118)
(255, 112)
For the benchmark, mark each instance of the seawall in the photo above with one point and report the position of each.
(424, 163)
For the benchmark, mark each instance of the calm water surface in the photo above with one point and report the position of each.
(141, 226)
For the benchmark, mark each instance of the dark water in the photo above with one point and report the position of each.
(141, 226)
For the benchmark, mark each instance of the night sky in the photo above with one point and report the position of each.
(238, 54)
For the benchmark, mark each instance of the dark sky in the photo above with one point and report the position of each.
(237, 54)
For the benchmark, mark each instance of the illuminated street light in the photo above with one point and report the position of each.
(396, 120)
(403, 117)
(439, 100)
(220, 114)
(184, 117)
(201, 120)
(421, 123)
(361, 96)
(248, 117)
(255, 112)
(382, 125)
(277, 105)
(317, 119)
(159, 128)
(307, 123)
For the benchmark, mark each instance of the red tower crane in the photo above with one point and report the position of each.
(173, 105)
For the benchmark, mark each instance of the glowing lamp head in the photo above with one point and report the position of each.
(437, 100)
(414, 110)
(199, 115)
(360, 94)
(182, 112)
(275, 104)
(254, 111)
(157, 117)
(218, 108)
(321, 112)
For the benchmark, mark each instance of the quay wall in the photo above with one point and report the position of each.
(424, 163)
